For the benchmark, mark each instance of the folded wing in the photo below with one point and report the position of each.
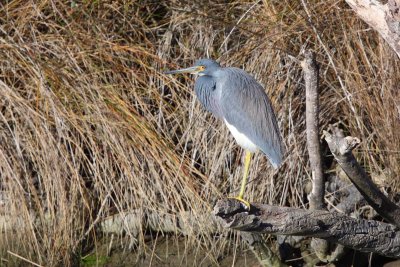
(245, 105)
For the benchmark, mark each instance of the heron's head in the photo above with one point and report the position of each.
(201, 67)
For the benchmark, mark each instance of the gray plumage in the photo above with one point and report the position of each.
(236, 97)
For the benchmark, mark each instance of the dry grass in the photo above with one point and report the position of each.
(90, 127)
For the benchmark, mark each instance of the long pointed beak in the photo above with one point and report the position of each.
(192, 70)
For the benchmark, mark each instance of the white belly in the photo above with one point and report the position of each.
(241, 139)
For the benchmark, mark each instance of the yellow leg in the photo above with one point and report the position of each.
(247, 160)
(244, 180)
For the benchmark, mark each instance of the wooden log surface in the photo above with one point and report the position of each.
(361, 235)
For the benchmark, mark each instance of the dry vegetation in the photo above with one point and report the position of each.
(90, 127)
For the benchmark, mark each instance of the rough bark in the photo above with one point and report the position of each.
(361, 235)
(341, 148)
(384, 18)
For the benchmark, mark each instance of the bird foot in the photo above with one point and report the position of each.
(244, 202)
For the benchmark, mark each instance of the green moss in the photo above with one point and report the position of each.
(94, 260)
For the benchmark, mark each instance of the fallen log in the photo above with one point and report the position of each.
(358, 234)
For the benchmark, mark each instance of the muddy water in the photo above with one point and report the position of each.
(166, 252)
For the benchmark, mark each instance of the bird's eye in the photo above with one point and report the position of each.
(201, 68)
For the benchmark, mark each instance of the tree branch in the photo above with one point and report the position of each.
(310, 70)
(341, 148)
(362, 235)
(316, 197)
(384, 18)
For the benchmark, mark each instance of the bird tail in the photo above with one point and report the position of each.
(275, 163)
(276, 158)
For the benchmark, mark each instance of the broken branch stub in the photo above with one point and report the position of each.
(341, 148)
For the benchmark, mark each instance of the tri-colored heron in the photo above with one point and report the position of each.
(240, 101)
